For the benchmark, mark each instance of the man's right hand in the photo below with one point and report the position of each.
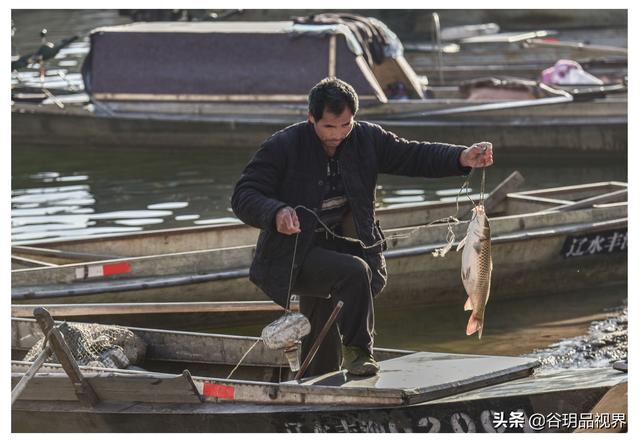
(287, 221)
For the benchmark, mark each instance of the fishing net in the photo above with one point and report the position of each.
(97, 345)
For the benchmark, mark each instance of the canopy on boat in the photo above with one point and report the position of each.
(233, 61)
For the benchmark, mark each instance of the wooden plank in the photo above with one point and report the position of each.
(64, 254)
(577, 191)
(137, 308)
(115, 387)
(83, 390)
(543, 383)
(587, 48)
(424, 376)
(198, 262)
(30, 262)
(500, 192)
(373, 82)
(617, 196)
(332, 56)
(31, 372)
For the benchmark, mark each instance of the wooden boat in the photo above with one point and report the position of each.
(187, 390)
(521, 54)
(568, 238)
(185, 99)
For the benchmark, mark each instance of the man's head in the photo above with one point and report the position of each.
(332, 105)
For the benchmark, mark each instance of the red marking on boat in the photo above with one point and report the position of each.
(219, 391)
(116, 269)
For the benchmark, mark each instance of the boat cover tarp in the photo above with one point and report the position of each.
(374, 37)
(232, 58)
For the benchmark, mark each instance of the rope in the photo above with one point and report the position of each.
(293, 263)
(450, 237)
(243, 357)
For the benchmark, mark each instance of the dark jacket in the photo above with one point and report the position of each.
(289, 169)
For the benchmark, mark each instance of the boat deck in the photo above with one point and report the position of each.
(423, 376)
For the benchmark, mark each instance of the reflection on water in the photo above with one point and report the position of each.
(83, 191)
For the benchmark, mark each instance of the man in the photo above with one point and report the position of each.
(329, 165)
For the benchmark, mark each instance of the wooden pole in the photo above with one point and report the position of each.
(83, 389)
(618, 195)
(31, 372)
(507, 186)
(140, 308)
(319, 339)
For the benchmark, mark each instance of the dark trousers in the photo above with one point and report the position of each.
(330, 274)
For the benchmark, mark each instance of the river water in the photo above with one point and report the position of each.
(69, 192)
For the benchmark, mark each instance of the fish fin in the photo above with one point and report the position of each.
(461, 244)
(474, 326)
(468, 305)
(465, 273)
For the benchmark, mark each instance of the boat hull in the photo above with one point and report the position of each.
(55, 128)
(468, 416)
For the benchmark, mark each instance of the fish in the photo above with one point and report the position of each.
(476, 268)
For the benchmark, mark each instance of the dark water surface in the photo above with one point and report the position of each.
(82, 191)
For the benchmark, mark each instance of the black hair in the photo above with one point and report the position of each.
(334, 95)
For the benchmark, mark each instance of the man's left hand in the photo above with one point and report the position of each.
(478, 155)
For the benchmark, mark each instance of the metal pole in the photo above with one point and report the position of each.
(319, 339)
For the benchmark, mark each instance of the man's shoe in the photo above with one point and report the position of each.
(359, 361)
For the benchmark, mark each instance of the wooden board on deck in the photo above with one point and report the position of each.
(112, 387)
(425, 376)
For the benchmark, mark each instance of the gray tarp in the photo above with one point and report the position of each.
(239, 58)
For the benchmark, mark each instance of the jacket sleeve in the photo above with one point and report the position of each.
(254, 198)
(398, 156)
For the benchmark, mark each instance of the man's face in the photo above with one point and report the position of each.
(332, 128)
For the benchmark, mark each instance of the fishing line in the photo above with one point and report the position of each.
(450, 236)
(244, 356)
